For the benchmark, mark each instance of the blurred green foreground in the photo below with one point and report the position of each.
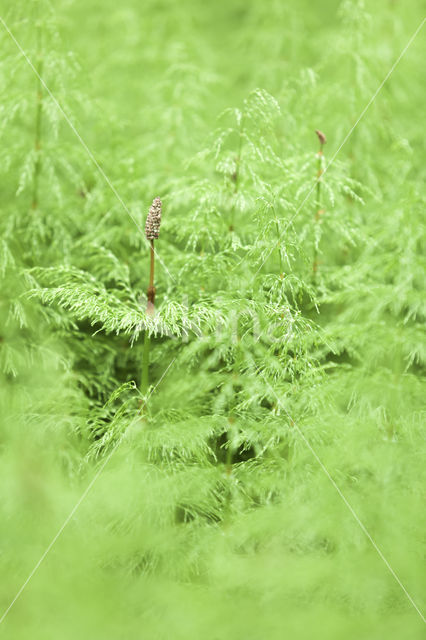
(213, 518)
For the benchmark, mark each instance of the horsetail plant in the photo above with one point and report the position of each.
(224, 492)
(152, 232)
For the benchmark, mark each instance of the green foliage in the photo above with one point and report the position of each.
(288, 330)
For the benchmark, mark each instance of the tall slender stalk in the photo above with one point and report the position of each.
(152, 231)
(38, 117)
(230, 451)
(236, 174)
(150, 308)
(319, 211)
(145, 364)
(277, 227)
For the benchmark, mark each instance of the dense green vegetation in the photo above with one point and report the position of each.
(246, 461)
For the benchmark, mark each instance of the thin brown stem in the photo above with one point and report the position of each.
(151, 288)
(150, 308)
(152, 230)
(152, 266)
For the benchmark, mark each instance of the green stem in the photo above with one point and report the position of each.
(318, 207)
(145, 364)
(229, 457)
(279, 247)
(236, 175)
(147, 340)
(228, 471)
(38, 120)
(231, 418)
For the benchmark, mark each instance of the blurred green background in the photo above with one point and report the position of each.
(144, 83)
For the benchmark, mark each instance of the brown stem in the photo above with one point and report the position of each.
(151, 288)
(147, 340)
(319, 210)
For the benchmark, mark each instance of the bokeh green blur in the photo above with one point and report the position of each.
(151, 552)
